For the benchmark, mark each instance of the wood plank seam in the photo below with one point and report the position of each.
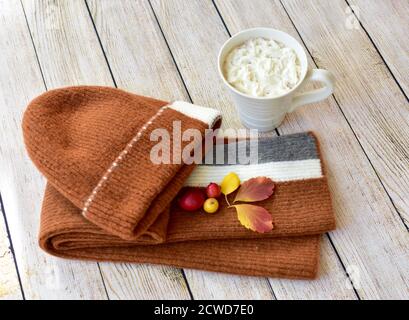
(402, 218)
(405, 223)
(278, 133)
(34, 47)
(100, 43)
(3, 211)
(170, 52)
(225, 26)
(343, 266)
(377, 49)
(103, 281)
(386, 23)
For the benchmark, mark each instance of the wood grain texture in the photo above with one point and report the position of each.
(370, 114)
(70, 54)
(42, 276)
(142, 63)
(365, 216)
(199, 77)
(9, 284)
(369, 97)
(199, 60)
(387, 24)
(331, 283)
(125, 281)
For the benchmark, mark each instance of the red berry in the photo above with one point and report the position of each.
(192, 199)
(213, 190)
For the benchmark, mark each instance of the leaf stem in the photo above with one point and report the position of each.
(227, 200)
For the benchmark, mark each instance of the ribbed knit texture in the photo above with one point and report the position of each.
(73, 135)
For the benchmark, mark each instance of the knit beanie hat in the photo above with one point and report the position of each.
(93, 144)
(106, 200)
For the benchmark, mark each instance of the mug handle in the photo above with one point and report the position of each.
(320, 75)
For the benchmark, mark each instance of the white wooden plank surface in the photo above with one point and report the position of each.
(141, 62)
(198, 59)
(365, 216)
(376, 109)
(9, 284)
(70, 54)
(387, 24)
(21, 186)
(370, 239)
(364, 213)
(331, 283)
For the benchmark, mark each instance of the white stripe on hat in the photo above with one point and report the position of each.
(206, 115)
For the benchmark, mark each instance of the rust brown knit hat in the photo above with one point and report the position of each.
(93, 146)
(106, 200)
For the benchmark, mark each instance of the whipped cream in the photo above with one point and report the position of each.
(262, 68)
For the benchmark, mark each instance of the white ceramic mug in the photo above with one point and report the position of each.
(266, 113)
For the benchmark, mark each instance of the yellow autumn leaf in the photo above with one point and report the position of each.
(254, 217)
(230, 183)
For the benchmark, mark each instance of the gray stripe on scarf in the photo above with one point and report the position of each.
(299, 146)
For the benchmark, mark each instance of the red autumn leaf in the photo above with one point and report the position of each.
(255, 218)
(255, 189)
